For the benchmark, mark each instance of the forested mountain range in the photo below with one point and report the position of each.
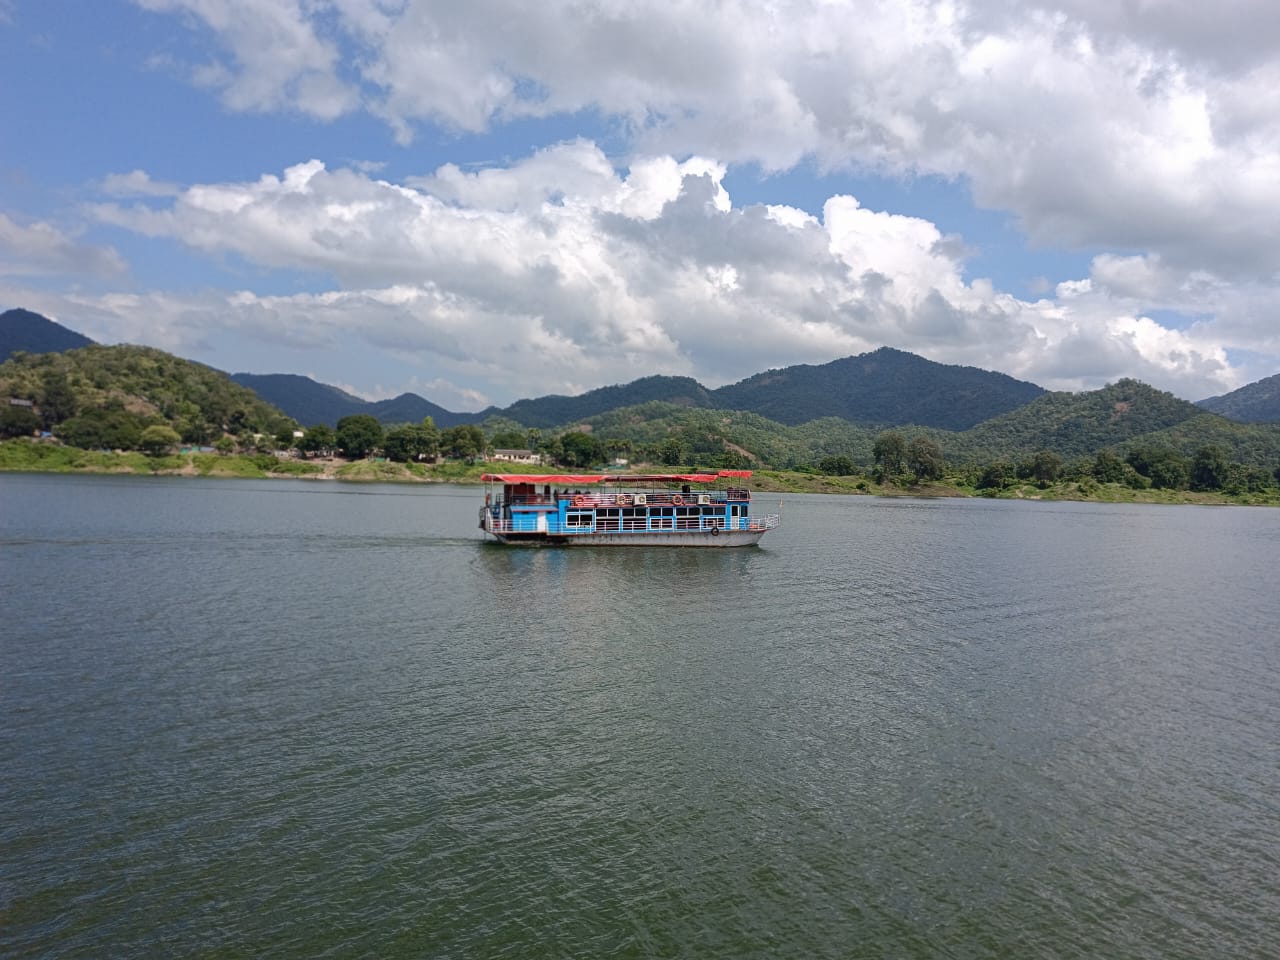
(885, 387)
(873, 392)
(23, 330)
(1119, 417)
(310, 402)
(1254, 403)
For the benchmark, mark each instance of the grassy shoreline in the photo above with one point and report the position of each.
(23, 456)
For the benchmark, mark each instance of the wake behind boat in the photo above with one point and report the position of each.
(623, 510)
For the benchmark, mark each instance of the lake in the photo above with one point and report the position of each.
(303, 719)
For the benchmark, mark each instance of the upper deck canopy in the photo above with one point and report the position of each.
(615, 477)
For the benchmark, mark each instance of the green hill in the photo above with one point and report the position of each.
(551, 411)
(887, 387)
(411, 408)
(1077, 424)
(134, 387)
(302, 398)
(1255, 444)
(1255, 403)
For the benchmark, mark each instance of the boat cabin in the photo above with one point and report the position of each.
(553, 506)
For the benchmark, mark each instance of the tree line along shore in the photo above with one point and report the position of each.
(1042, 479)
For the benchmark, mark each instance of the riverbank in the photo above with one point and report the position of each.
(30, 457)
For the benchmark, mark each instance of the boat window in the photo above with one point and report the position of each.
(579, 518)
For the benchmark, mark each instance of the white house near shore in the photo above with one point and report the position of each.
(516, 456)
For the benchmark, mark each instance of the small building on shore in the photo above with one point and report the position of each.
(516, 456)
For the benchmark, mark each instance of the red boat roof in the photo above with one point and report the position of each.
(546, 477)
(619, 477)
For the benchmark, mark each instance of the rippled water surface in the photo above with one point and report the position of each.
(286, 719)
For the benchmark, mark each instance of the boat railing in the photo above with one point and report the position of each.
(497, 523)
(591, 501)
(660, 524)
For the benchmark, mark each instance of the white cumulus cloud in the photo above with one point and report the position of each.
(41, 248)
(560, 273)
(1123, 126)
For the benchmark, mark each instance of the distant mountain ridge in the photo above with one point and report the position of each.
(886, 387)
(29, 332)
(1254, 403)
(99, 394)
(554, 410)
(883, 388)
(310, 402)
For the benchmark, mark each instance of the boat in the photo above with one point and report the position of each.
(623, 510)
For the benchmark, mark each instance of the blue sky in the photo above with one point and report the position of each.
(497, 200)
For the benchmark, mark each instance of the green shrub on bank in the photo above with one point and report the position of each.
(54, 458)
(295, 468)
(376, 470)
(29, 455)
(171, 463)
(216, 465)
(460, 471)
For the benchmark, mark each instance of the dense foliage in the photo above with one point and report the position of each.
(359, 435)
(1255, 403)
(411, 442)
(464, 442)
(106, 397)
(17, 421)
(1076, 424)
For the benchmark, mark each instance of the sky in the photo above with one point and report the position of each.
(484, 201)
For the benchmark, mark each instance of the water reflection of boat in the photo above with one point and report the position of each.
(675, 510)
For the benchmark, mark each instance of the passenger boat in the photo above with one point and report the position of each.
(623, 510)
